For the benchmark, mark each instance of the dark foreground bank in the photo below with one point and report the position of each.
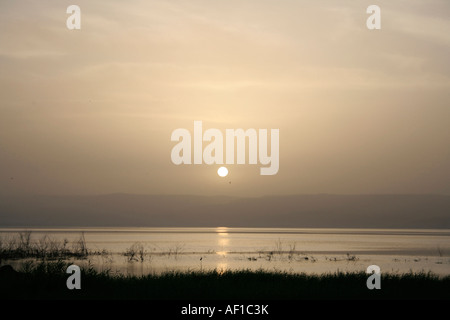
(47, 280)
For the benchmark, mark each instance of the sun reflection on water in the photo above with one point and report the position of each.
(223, 240)
(222, 231)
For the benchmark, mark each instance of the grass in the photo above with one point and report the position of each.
(21, 246)
(47, 280)
(136, 252)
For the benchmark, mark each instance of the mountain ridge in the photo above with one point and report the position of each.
(301, 211)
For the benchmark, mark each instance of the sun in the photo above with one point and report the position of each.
(222, 172)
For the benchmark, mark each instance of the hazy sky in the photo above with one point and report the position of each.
(91, 111)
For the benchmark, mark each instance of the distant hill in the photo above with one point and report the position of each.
(320, 211)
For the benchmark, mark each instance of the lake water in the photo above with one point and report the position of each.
(291, 250)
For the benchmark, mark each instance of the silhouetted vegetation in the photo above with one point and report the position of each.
(136, 252)
(47, 280)
(22, 246)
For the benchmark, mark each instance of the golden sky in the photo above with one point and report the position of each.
(91, 111)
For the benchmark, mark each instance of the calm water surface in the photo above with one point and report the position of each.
(292, 250)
